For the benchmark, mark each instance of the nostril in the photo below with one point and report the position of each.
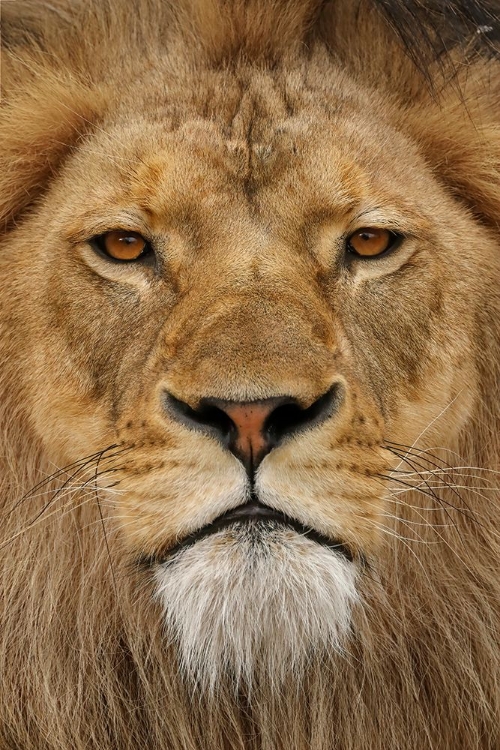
(290, 417)
(207, 417)
(251, 429)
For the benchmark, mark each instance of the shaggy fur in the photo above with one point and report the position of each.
(225, 620)
(246, 141)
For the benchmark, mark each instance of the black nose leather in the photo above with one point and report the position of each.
(251, 429)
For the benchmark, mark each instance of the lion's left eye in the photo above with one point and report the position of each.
(119, 244)
(370, 242)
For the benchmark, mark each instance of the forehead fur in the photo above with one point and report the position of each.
(73, 79)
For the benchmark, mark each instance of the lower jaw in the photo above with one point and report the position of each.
(254, 600)
(260, 531)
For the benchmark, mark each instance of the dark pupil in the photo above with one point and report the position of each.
(367, 236)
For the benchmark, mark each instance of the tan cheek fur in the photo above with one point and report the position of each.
(179, 493)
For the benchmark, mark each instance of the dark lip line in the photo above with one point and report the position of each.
(251, 512)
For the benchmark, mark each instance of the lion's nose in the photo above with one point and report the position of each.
(252, 429)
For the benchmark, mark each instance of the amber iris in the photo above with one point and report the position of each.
(122, 245)
(370, 241)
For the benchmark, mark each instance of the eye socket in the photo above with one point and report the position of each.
(370, 242)
(122, 245)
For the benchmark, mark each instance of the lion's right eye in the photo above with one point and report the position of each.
(370, 242)
(121, 245)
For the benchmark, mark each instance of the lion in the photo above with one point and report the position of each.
(250, 331)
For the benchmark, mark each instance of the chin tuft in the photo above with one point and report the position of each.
(254, 603)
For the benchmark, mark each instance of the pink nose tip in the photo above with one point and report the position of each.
(252, 440)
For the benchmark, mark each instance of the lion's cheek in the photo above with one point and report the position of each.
(344, 499)
(434, 417)
(71, 425)
(164, 497)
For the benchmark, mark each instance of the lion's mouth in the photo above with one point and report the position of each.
(251, 513)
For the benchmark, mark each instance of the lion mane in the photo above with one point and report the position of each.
(247, 146)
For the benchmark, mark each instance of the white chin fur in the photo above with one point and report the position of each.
(254, 603)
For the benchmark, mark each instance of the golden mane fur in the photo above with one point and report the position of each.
(94, 95)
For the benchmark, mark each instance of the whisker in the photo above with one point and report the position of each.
(427, 524)
(388, 532)
(419, 452)
(104, 527)
(81, 464)
(59, 512)
(415, 463)
(436, 418)
(68, 489)
(442, 502)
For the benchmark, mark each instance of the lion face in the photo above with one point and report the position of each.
(250, 357)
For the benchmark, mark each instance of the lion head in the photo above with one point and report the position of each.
(250, 332)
